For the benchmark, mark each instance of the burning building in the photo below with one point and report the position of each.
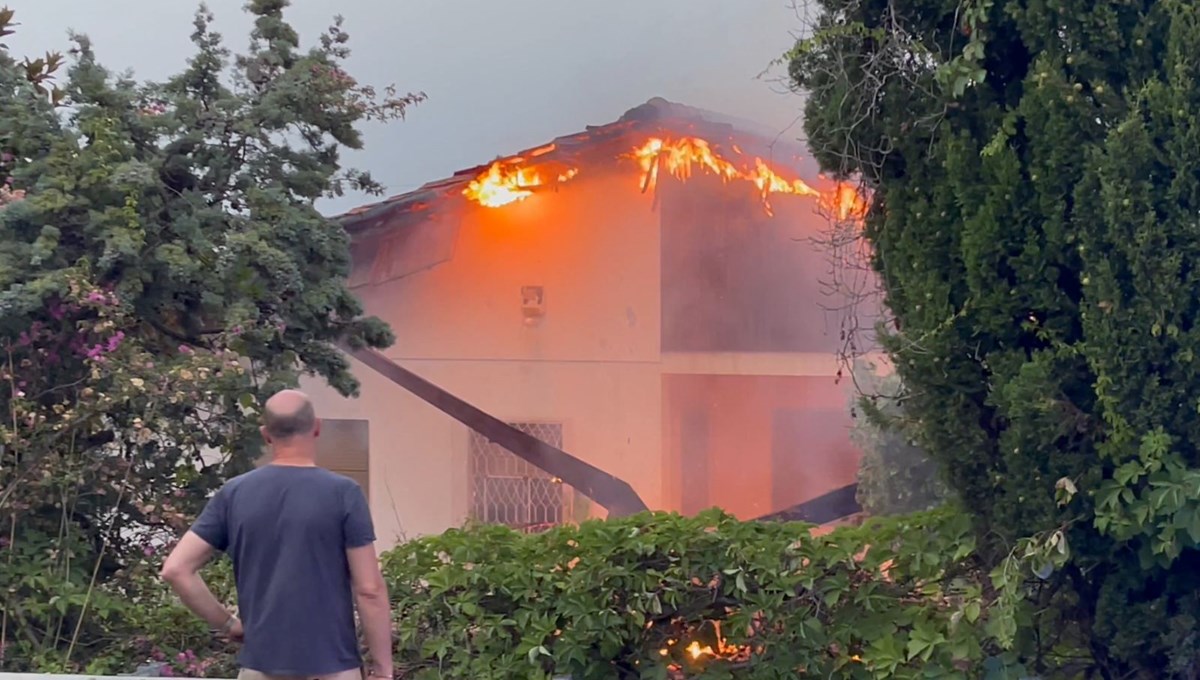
(647, 295)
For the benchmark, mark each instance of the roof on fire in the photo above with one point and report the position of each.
(655, 115)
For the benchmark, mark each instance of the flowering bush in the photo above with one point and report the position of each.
(106, 457)
(162, 268)
(155, 629)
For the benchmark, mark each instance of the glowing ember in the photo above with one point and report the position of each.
(506, 182)
(695, 650)
(510, 180)
(717, 649)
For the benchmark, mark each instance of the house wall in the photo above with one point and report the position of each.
(755, 444)
(591, 362)
(759, 398)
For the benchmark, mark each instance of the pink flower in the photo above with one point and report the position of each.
(186, 350)
(115, 340)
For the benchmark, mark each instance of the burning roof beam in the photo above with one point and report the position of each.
(515, 179)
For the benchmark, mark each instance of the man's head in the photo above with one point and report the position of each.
(289, 420)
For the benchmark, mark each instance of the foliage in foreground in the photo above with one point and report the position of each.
(1034, 198)
(655, 596)
(665, 596)
(162, 268)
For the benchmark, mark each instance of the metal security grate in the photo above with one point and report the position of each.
(508, 490)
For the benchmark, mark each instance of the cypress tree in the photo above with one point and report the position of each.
(1035, 219)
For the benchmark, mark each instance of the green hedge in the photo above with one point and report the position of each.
(639, 597)
(629, 598)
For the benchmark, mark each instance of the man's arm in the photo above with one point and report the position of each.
(182, 571)
(374, 607)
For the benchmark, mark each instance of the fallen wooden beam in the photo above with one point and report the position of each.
(823, 509)
(613, 494)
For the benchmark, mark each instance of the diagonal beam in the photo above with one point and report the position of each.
(611, 493)
(823, 509)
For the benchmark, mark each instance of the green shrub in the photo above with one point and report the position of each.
(657, 596)
(152, 626)
(1034, 196)
(631, 597)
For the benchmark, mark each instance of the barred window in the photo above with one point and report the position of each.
(505, 489)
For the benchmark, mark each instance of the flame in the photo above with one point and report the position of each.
(511, 180)
(845, 202)
(696, 650)
(506, 182)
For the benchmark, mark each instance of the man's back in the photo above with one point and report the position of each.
(287, 529)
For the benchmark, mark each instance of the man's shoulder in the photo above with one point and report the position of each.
(271, 475)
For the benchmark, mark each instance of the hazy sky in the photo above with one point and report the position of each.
(501, 75)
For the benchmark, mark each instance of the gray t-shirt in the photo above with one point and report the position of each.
(287, 530)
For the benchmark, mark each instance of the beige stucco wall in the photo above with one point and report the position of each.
(590, 363)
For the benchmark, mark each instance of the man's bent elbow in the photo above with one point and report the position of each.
(371, 593)
(375, 589)
(171, 574)
(175, 574)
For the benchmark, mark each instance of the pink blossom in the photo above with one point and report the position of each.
(148, 550)
(56, 311)
(186, 350)
(97, 296)
(115, 340)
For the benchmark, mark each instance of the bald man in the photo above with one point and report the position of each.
(303, 550)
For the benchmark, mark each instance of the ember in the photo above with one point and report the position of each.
(510, 180)
(716, 648)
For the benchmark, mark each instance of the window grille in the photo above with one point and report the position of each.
(505, 489)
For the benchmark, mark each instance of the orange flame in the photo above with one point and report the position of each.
(508, 181)
(697, 650)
